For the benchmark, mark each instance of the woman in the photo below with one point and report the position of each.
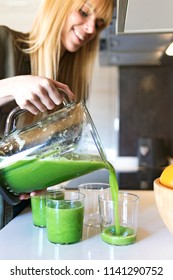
(58, 53)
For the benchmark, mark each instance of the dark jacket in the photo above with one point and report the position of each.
(13, 62)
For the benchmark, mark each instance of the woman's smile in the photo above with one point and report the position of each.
(79, 35)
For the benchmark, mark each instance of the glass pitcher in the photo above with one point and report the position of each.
(60, 147)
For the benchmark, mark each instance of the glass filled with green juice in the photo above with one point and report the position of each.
(118, 219)
(64, 218)
(38, 208)
(38, 204)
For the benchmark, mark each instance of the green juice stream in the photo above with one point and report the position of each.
(116, 234)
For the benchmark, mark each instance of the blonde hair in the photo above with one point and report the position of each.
(74, 69)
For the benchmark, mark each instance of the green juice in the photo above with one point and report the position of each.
(116, 234)
(38, 206)
(114, 194)
(65, 222)
(126, 236)
(27, 175)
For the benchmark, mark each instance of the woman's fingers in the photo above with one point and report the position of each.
(65, 89)
(25, 196)
(38, 94)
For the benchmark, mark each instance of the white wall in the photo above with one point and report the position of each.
(103, 105)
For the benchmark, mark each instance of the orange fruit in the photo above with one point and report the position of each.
(166, 177)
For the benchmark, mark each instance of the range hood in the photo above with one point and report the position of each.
(139, 34)
(139, 16)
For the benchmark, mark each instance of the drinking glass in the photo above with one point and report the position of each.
(38, 204)
(91, 192)
(64, 218)
(121, 229)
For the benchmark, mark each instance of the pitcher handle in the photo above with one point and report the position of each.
(11, 120)
(66, 99)
(12, 117)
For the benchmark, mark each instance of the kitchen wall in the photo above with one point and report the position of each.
(18, 14)
(103, 104)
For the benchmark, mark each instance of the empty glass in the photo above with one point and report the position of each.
(91, 192)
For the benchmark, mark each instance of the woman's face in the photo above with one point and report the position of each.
(80, 27)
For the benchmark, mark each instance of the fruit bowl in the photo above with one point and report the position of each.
(164, 202)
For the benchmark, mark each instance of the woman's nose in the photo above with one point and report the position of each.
(90, 26)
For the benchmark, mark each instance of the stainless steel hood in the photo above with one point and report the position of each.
(136, 16)
(140, 32)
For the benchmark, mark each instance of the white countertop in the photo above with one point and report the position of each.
(21, 240)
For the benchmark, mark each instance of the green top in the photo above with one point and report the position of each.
(12, 63)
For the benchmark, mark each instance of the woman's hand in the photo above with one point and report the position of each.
(25, 196)
(33, 93)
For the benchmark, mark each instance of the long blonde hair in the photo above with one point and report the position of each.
(44, 41)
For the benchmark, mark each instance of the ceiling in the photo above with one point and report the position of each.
(140, 33)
